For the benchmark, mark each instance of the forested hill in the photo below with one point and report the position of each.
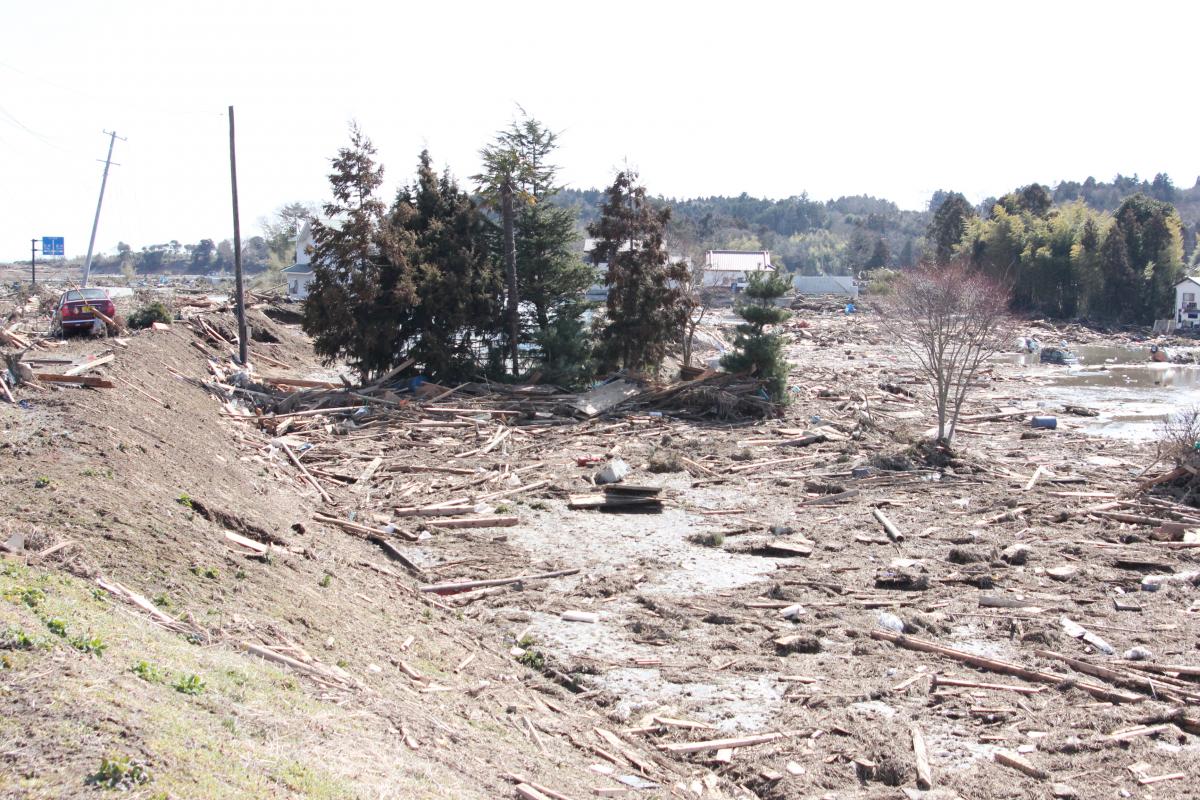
(860, 232)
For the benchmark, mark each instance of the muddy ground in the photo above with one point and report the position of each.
(443, 695)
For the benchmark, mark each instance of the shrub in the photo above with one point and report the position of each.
(192, 684)
(118, 772)
(149, 314)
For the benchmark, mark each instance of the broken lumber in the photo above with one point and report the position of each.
(355, 527)
(477, 522)
(889, 527)
(304, 470)
(462, 586)
(83, 367)
(81, 380)
(1021, 764)
(720, 744)
(1006, 667)
(924, 775)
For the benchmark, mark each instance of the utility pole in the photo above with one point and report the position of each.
(237, 249)
(87, 266)
(33, 262)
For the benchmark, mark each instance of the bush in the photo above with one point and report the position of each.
(148, 314)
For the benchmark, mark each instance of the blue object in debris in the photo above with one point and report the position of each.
(28, 406)
(415, 382)
(1045, 422)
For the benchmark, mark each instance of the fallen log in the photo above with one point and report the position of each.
(889, 527)
(462, 586)
(1006, 667)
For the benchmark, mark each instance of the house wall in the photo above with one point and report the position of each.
(1187, 304)
(298, 285)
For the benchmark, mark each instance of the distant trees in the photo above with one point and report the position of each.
(1071, 260)
(948, 225)
(756, 351)
(646, 308)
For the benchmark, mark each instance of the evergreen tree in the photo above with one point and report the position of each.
(881, 254)
(948, 225)
(552, 276)
(360, 272)
(757, 352)
(647, 306)
(458, 288)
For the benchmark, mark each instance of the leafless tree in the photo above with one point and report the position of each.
(699, 300)
(949, 319)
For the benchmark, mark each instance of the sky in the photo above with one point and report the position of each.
(773, 99)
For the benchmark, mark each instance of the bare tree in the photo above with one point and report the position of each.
(699, 300)
(949, 319)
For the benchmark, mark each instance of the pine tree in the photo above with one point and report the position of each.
(757, 352)
(647, 306)
(360, 273)
(948, 225)
(458, 288)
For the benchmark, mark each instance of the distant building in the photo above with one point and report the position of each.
(731, 269)
(825, 284)
(598, 290)
(299, 275)
(1187, 311)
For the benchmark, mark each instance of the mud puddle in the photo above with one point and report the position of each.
(1132, 394)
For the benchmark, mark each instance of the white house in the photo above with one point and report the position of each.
(1187, 308)
(300, 275)
(729, 268)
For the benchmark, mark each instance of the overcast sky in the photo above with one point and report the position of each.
(773, 99)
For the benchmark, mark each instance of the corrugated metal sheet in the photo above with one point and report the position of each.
(738, 260)
(825, 284)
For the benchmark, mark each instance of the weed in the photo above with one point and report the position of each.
(147, 672)
(240, 574)
(31, 596)
(92, 472)
(534, 659)
(99, 596)
(161, 600)
(325, 581)
(538, 505)
(93, 645)
(343, 663)
(184, 500)
(192, 684)
(41, 482)
(503, 508)
(57, 626)
(11, 569)
(148, 314)
(14, 638)
(205, 572)
(119, 772)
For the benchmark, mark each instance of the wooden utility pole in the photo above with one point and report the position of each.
(237, 249)
(33, 262)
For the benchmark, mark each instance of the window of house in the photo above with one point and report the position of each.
(1189, 299)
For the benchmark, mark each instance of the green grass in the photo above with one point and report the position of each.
(191, 684)
(147, 672)
(119, 772)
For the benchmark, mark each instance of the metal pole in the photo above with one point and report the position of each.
(237, 248)
(87, 266)
(33, 262)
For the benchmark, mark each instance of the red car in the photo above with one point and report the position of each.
(76, 310)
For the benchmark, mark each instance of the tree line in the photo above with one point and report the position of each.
(1069, 260)
(490, 284)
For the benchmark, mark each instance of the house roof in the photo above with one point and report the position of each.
(1194, 279)
(298, 269)
(825, 284)
(738, 260)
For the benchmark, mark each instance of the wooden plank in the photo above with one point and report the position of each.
(81, 380)
(462, 586)
(83, 367)
(889, 527)
(364, 480)
(478, 522)
(1020, 763)
(924, 775)
(304, 470)
(720, 744)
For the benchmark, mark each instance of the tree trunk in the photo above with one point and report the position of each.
(510, 269)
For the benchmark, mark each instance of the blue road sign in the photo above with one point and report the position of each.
(52, 246)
